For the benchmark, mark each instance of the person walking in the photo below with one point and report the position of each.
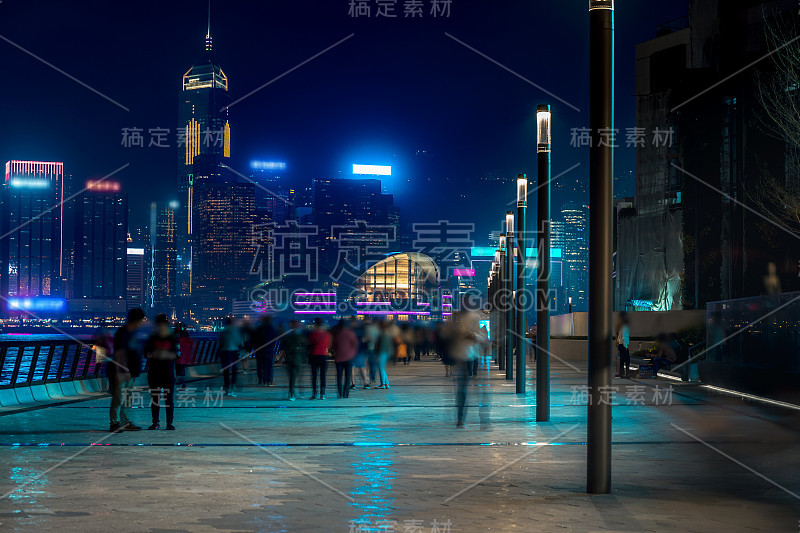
(345, 348)
(231, 343)
(319, 341)
(623, 342)
(372, 333)
(295, 352)
(360, 360)
(265, 346)
(385, 344)
(162, 350)
(464, 346)
(123, 369)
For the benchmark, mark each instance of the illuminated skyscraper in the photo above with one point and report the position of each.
(223, 243)
(164, 257)
(204, 129)
(31, 230)
(576, 253)
(101, 231)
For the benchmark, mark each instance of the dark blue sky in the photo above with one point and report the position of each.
(398, 86)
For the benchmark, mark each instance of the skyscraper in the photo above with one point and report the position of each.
(101, 231)
(204, 130)
(222, 238)
(164, 257)
(31, 238)
(343, 203)
(576, 253)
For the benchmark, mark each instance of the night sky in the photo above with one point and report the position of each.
(397, 87)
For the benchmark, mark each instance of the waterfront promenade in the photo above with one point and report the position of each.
(684, 459)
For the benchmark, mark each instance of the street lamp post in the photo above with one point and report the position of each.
(543, 121)
(509, 281)
(601, 167)
(501, 288)
(522, 244)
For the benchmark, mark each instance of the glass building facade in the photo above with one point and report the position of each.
(407, 276)
(31, 220)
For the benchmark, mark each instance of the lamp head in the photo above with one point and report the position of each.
(509, 223)
(522, 190)
(543, 131)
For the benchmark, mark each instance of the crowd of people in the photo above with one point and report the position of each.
(361, 350)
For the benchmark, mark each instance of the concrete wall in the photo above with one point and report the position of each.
(643, 323)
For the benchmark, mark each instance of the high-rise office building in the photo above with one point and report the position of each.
(223, 244)
(340, 204)
(698, 234)
(101, 231)
(135, 286)
(100, 250)
(163, 289)
(31, 238)
(204, 130)
(576, 253)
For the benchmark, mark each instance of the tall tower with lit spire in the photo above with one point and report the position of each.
(204, 134)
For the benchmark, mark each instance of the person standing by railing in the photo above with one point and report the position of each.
(161, 350)
(123, 369)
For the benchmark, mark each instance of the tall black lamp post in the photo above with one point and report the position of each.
(601, 161)
(543, 121)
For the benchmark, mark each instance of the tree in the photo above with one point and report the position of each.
(778, 197)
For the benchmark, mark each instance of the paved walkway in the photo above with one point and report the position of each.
(393, 460)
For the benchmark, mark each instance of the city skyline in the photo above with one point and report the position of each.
(370, 134)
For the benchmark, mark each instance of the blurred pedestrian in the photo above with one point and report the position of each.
(319, 349)
(265, 344)
(186, 354)
(295, 352)
(345, 348)
(623, 341)
(123, 369)
(385, 347)
(161, 351)
(372, 333)
(231, 343)
(464, 346)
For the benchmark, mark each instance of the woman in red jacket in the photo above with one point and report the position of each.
(319, 341)
(345, 348)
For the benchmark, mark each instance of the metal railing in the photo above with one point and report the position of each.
(25, 363)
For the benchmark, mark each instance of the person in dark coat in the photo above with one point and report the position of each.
(265, 344)
(122, 369)
(162, 350)
(295, 349)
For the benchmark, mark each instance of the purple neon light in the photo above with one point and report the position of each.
(315, 312)
(464, 272)
(447, 296)
(424, 313)
(315, 294)
(315, 303)
(447, 305)
(424, 304)
(447, 314)
(373, 303)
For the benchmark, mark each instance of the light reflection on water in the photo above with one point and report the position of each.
(373, 478)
